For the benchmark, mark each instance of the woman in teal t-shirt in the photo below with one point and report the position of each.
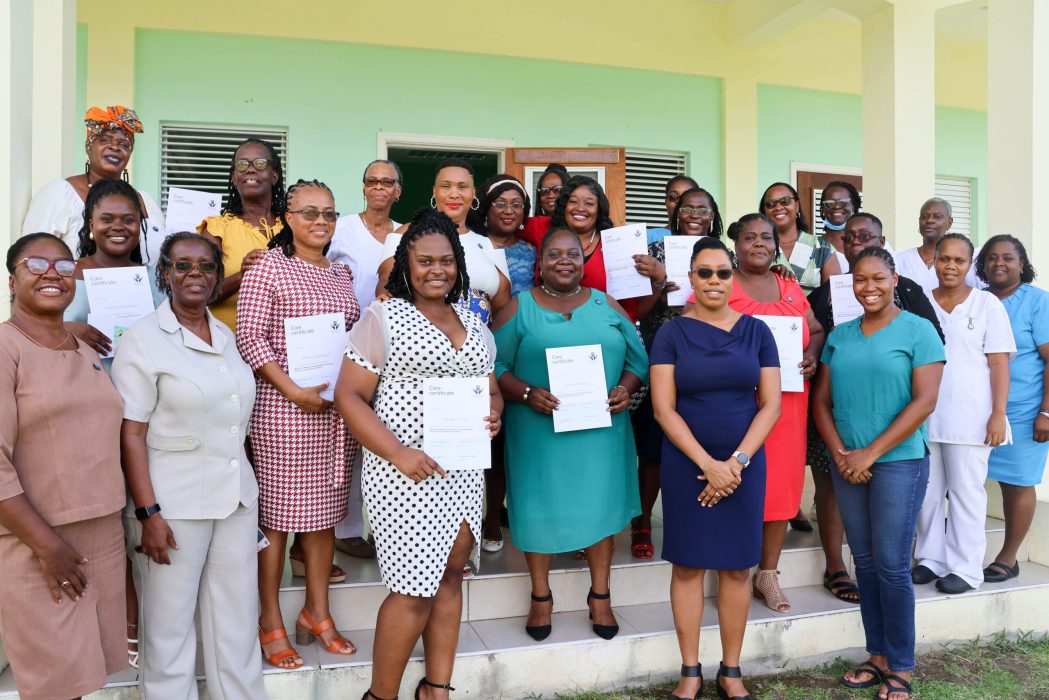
(878, 382)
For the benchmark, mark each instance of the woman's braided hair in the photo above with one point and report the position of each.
(234, 204)
(427, 222)
(284, 240)
(101, 190)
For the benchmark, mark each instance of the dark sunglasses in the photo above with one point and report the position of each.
(861, 237)
(330, 215)
(205, 267)
(705, 273)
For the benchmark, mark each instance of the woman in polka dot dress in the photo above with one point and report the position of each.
(426, 521)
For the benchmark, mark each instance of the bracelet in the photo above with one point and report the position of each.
(660, 286)
(1044, 413)
(620, 386)
(524, 396)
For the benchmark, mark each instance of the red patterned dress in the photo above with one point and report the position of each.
(302, 460)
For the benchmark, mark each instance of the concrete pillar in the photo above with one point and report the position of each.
(54, 89)
(899, 115)
(740, 115)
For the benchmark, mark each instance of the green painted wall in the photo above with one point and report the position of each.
(811, 126)
(336, 97)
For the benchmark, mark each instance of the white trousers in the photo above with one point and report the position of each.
(353, 524)
(215, 570)
(958, 548)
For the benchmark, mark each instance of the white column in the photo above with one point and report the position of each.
(899, 115)
(54, 88)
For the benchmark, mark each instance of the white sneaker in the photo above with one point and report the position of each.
(492, 545)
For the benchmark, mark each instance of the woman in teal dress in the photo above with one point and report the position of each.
(569, 490)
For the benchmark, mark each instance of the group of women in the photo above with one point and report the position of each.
(220, 448)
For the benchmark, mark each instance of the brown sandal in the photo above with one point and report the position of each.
(276, 660)
(766, 588)
(306, 629)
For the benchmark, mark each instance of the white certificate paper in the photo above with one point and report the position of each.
(119, 291)
(187, 208)
(677, 251)
(316, 346)
(577, 380)
(787, 332)
(843, 302)
(455, 433)
(619, 246)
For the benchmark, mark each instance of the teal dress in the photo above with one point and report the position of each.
(566, 491)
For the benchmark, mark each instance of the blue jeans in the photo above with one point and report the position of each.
(880, 518)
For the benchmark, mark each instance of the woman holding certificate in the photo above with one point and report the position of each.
(759, 292)
(293, 299)
(571, 472)
(425, 511)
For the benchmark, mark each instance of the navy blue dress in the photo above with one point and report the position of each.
(716, 373)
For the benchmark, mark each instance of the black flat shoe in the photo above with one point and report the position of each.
(922, 575)
(800, 523)
(691, 672)
(602, 631)
(540, 632)
(423, 681)
(877, 676)
(997, 572)
(953, 583)
(729, 672)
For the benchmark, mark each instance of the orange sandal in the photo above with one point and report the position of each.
(276, 659)
(306, 629)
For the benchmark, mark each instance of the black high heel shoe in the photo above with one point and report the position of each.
(369, 694)
(691, 672)
(602, 631)
(423, 681)
(729, 672)
(541, 632)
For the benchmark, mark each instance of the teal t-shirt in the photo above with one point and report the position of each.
(870, 379)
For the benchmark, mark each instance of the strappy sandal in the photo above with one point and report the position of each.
(369, 694)
(996, 572)
(877, 676)
(766, 588)
(841, 589)
(306, 629)
(279, 657)
(423, 681)
(298, 568)
(895, 684)
(729, 672)
(541, 632)
(691, 672)
(641, 543)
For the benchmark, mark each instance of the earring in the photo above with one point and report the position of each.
(433, 202)
(87, 168)
(462, 282)
(476, 205)
(406, 285)
(124, 175)
(91, 235)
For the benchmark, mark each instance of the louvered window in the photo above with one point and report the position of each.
(647, 173)
(197, 156)
(958, 191)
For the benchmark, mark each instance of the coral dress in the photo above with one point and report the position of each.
(785, 446)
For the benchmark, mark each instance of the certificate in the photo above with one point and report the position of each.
(119, 291)
(677, 250)
(455, 433)
(577, 380)
(112, 327)
(787, 332)
(619, 246)
(316, 346)
(187, 208)
(843, 302)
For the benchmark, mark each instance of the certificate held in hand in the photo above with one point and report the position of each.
(619, 246)
(577, 379)
(188, 208)
(316, 346)
(117, 297)
(844, 304)
(677, 250)
(455, 432)
(787, 332)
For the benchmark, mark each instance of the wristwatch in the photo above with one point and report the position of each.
(1044, 413)
(524, 396)
(147, 512)
(742, 457)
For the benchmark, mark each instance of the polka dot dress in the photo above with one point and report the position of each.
(415, 525)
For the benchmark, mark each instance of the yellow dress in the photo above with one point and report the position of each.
(238, 238)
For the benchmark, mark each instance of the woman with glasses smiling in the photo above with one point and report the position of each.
(800, 251)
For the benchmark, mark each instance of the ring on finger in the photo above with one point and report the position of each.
(66, 584)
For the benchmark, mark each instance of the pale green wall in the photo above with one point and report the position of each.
(335, 97)
(826, 128)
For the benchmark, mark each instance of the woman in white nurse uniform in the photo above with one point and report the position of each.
(968, 421)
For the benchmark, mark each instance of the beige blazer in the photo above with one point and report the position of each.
(197, 399)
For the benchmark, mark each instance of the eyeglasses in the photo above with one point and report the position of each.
(503, 204)
(543, 191)
(698, 211)
(782, 201)
(259, 164)
(705, 273)
(836, 203)
(386, 182)
(861, 237)
(330, 215)
(40, 266)
(205, 267)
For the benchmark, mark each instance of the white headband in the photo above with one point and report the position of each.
(515, 183)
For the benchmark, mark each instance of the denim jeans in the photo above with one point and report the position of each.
(880, 518)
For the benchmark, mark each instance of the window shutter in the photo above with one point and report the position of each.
(647, 173)
(197, 156)
(957, 191)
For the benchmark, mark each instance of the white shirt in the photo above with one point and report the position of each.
(909, 264)
(353, 245)
(484, 263)
(976, 327)
(197, 399)
(57, 208)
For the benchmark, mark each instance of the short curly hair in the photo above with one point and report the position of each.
(604, 209)
(736, 228)
(1027, 272)
(166, 261)
(427, 222)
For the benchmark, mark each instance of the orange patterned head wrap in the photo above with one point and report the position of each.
(99, 120)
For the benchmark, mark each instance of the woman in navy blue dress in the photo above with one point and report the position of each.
(716, 394)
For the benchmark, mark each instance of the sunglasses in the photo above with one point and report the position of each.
(205, 267)
(861, 237)
(543, 191)
(705, 273)
(330, 215)
(698, 211)
(836, 203)
(386, 182)
(259, 164)
(40, 266)
(782, 201)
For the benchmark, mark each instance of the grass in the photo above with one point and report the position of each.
(998, 668)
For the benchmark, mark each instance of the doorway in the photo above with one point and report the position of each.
(417, 166)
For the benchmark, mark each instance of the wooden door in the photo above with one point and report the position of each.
(810, 187)
(607, 164)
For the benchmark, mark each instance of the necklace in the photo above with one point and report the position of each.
(37, 342)
(555, 293)
(387, 226)
(591, 241)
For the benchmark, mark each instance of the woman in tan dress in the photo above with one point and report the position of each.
(61, 488)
